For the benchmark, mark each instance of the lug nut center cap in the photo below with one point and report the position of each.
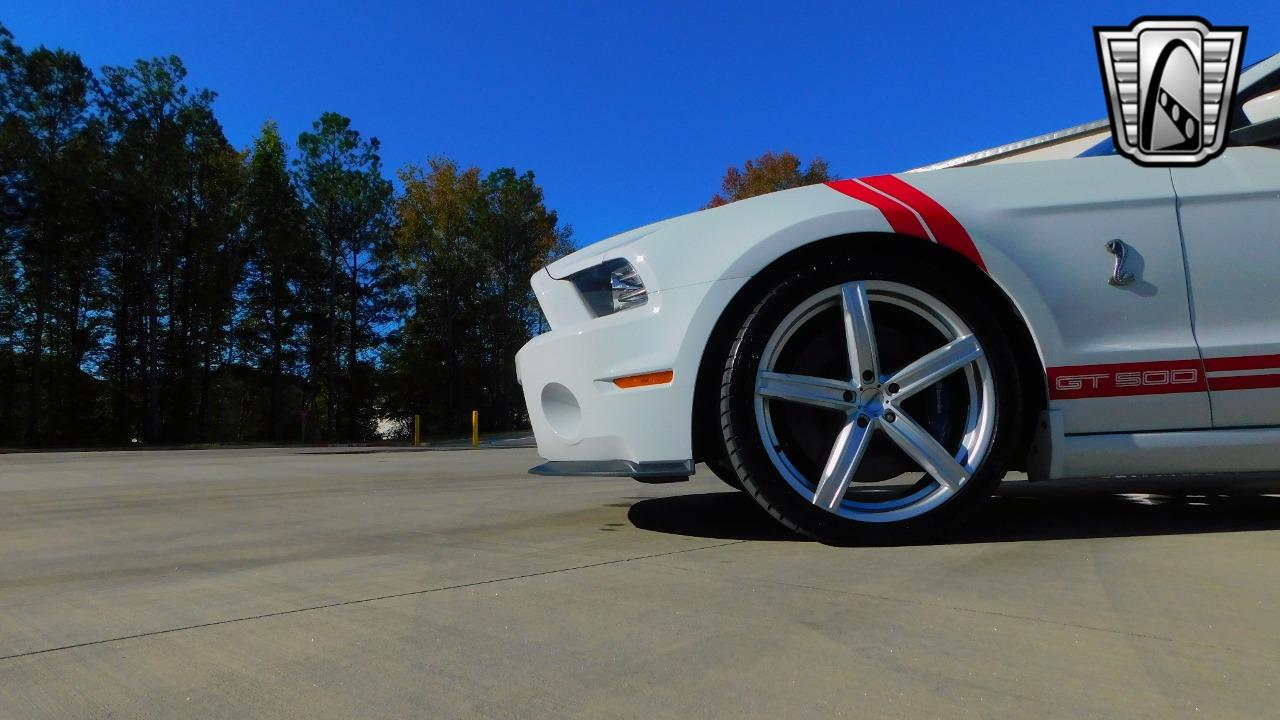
(871, 402)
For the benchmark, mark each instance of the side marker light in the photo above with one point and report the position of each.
(662, 377)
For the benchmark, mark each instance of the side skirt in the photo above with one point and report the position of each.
(1055, 456)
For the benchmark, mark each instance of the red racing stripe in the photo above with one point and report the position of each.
(1244, 382)
(1244, 362)
(946, 229)
(901, 219)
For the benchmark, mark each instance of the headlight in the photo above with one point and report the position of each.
(612, 286)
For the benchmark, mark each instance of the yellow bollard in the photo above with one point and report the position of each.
(475, 428)
(417, 428)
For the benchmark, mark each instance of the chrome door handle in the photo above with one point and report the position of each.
(1119, 276)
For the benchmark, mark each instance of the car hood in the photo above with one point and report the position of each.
(595, 253)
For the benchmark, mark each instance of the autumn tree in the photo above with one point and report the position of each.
(768, 173)
(438, 345)
(467, 245)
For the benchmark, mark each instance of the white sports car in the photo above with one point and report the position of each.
(868, 358)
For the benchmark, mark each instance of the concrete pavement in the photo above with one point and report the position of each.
(342, 583)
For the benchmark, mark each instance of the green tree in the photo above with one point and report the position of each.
(10, 179)
(517, 235)
(280, 257)
(175, 255)
(52, 147)
(348, 207)
(202, 271)
(768, 173)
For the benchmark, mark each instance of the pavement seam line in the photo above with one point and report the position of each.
(361, 601)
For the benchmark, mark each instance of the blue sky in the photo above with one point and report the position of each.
(630, 112)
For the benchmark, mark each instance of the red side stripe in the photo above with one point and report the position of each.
(946, 229)
(900, 219)
(1244, 382)
(1247, 362)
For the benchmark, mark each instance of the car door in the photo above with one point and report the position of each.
(1229, 211)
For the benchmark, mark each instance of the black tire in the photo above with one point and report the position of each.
(724, 470)
(745, 447)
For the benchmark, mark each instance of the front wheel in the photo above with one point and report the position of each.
(864, 401)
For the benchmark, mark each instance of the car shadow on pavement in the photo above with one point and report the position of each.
(729, 515)
(1020, 512)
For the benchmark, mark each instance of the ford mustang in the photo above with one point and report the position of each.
(868, 358)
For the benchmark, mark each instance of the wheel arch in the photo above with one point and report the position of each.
(706, 441)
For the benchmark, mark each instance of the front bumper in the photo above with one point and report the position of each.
(577, 412)
(653, 472)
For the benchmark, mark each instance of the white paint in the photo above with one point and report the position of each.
(1169, 453)
(1230, 210)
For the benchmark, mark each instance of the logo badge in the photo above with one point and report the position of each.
(1170, 85)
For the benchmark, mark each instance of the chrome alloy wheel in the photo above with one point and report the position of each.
(920, 399)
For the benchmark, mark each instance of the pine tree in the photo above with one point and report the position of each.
(280, 256)
(347, 205)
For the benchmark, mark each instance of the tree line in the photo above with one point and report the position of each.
(160, 286)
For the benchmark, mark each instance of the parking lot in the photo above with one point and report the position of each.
(449, 583)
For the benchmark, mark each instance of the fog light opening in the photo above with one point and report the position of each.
(561, 409)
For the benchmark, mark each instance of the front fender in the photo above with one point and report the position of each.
(740, 239)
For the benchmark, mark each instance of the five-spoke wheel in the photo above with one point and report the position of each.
(865, 406)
